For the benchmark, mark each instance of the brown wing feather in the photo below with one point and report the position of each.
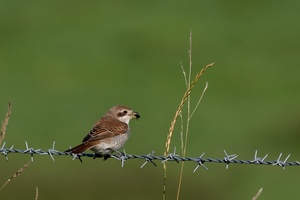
(81, 148)
(106, 127)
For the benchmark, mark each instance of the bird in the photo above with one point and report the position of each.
(109, 133)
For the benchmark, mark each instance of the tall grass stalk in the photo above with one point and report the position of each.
(186, 98)
(5, 122)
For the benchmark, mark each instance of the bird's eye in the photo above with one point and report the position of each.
(124, 112)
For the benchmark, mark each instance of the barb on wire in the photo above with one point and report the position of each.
(29, 150)
(4, 152)
(281, 163)
(200, 163)
(149, 160)
(229, 158)
(171, 156)
(50, 151)
(258, 160)
(123, 156)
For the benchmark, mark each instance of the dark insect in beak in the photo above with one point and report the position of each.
(137, 115)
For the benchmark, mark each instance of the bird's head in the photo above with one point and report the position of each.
(123, 113)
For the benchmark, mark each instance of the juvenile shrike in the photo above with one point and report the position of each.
(109, 134)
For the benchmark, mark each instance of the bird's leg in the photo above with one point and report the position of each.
(78, 156)
(120, 154)
(106, 156)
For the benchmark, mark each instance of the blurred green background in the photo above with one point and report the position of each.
(64, 64)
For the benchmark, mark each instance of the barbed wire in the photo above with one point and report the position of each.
(150, 158)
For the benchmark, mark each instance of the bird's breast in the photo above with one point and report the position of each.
(107, 145)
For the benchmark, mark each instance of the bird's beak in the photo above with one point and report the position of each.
(135, 115)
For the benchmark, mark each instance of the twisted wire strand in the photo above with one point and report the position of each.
(173, 157)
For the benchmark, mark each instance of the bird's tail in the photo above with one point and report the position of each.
(79, 149)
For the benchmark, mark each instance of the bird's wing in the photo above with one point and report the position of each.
(105, 128)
